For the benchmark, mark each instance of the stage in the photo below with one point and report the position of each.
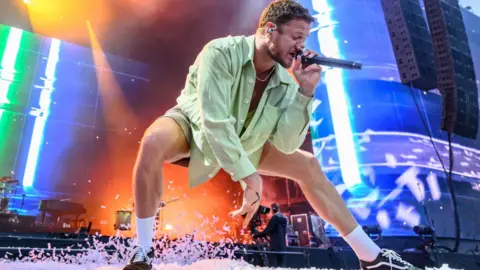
(81, 82)
(202, 265)
(43, 251)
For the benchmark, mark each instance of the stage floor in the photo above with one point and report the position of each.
(41, 252)
(200, 265)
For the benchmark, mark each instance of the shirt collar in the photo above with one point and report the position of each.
(280, 73)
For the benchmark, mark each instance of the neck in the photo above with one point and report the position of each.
(262, 61)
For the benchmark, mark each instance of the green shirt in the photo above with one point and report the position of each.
(216, 98)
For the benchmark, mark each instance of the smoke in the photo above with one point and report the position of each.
(248, 16)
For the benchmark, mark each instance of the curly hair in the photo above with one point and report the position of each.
(281, 12)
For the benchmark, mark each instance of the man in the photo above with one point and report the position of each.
(241, 111)
(276, 230)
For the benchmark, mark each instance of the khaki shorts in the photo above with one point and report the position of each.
(182, 120)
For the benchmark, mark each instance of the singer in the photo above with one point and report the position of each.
(246, 109)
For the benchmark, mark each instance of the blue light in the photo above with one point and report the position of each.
(337, 96)
(41, 114)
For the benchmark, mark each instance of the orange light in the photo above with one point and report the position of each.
(168, 227)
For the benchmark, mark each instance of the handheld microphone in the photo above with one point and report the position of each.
(330, 62)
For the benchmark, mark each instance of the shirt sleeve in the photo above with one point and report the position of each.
(214, 83)
(293, 124)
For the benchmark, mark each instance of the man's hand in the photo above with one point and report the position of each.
(252, 195)
(306, 76)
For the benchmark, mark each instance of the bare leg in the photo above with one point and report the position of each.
(164, 141)
(303, 167)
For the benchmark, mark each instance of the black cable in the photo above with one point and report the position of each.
(453, 195)
(448, 173)
(428, 131)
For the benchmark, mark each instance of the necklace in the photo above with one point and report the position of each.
(268, 76)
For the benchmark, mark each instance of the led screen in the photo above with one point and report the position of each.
(368, 132)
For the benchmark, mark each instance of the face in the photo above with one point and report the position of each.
(284, 43)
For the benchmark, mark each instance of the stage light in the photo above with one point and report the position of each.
(26, 2)
(427, 235)
(168, 227)
(423, 230)
(374, 232)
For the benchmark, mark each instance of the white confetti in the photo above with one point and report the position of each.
(432, 182)
(315, 104)
(415, 140)
(410, 179)
(331, 161)
(370, 173)
(316, 123)
(362, 149)
(394, 194)
(369, 131)
(409, 156)
(362, 212)
(391, 160)
(364, 139)
(408, 215)
(372, 197)
(383, 219)
(341, 188)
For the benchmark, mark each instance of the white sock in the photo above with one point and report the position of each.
(363, 246)
(145, 232)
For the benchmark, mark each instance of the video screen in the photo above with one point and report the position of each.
(368, 133)
(60, 111)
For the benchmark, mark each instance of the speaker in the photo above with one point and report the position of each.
(301, 226)
(411, 43)
(455, 70)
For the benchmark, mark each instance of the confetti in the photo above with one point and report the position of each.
(391, 160)
(383, 219)
(408, 215)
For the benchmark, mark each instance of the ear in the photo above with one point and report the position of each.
(270, 28)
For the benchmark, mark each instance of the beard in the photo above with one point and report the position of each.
(277, 58)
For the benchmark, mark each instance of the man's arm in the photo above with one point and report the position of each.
(270, 227)
(214, 83)
(293, 124)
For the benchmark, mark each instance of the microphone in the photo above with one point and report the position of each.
(329, 62)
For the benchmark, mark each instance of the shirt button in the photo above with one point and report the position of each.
(246, 101)
(211, 175)
(242, 121)
(250, 80)
(232, 174)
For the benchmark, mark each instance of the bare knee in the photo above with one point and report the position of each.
(162, 142)
(151, 147)
(313, 171)
(148, 167)
(151, 156)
